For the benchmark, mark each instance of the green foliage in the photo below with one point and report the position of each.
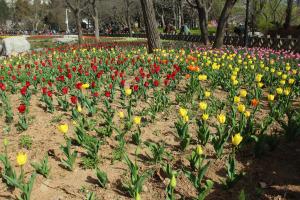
(196, 180)
(157, 151)
(71, 156)
(135, 183)
(25, 188)
(102, 178)
(25, 141)
(183, 134)
(43, 167)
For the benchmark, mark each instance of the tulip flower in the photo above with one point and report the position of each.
(205, 116)
(241, 108)
(271, 97)
(202, 105)
(221, 118)
(236, 139)
(21, 158)
(183, 112)
(63, 128)
(128, 91)
(243, 93)
(22, 108)
(137, 120)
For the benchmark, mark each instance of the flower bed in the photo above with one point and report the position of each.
(110, 120)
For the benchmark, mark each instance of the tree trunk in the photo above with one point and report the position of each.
(79, 28)
(288, 16)
(151, 26)
(174, 14)
(96, 23)
(180, 13)
(203, 23)
(222, 23)
(163, 23)
(129, 25)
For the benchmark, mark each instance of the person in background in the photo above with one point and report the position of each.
(184, 30)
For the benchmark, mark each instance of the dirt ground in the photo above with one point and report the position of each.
(276, 175)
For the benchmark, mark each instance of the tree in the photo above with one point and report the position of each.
(4, 12)
(127, 4)
(222, 23)
(77, 6)
(95, 16)
(151, 26)
(203, 7)
(288, 15)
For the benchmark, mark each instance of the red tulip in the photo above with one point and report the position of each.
(107, 93)
(74, 99)
(44, 90)
(122, 82)
(23, 90)
(155, 83)
(135, 88)
(78, 85)
(27, 84)
(2, 86)
(49, 93)
(166, 82)
(65, 90)
(22, 108)
(96, 94)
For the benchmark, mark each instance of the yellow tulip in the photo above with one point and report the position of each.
(79, 108)
(236, 99)
(85, 86)
(235, 82)
(233, 78)
(243, 93)
(186, 118)
(279, 73)
(121, 114)
(203, 105)
(241, 108)
(286, 91)
(63, 128)
(247, 113)
(183, 112)
(199, 150)
(207, 94)
(205, 116)
(284, 76)
(5, 142)
(260, 84)
(137, 120)
(282, 82)
(271, 97)
(279, 90)
(138, 196)
(291, 81)
(221, 118)
(258, 77)
(128, 91)
(236, 139)
(21, 158)
(173, 181)
(202, 77)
